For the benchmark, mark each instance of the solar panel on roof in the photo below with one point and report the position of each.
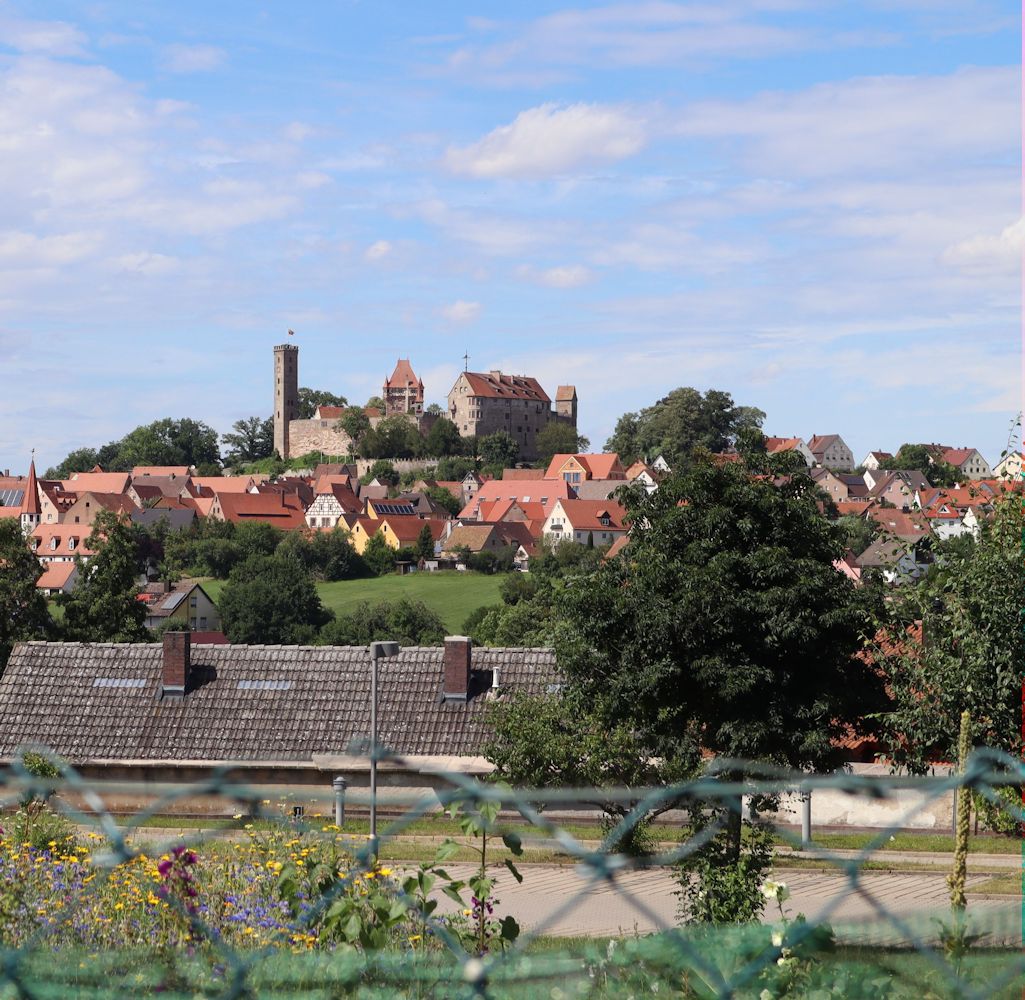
(173, 601)
(11, 498)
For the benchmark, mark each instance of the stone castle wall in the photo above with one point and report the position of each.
(317, 435)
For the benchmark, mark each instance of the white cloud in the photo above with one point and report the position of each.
(378, 250)
(310, 180)
(192, 58)
(564, 276)
(150, 264)
(549, 140)
(53, 38)
(20, 249)
(871, 124)
(651, 33)
(461, 311)
(986, 252)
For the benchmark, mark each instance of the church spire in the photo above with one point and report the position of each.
(31, 512)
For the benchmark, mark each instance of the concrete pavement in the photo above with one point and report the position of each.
(559, 900)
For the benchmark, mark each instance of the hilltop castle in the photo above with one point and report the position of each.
(479, 403)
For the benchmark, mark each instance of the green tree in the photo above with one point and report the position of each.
(80, 460)
(425, 543)
(443, 498)
(355, 423)
(435, 409)
(454, 468)
(378, 555)
(271, 599)
(383, 471)
(23, 611)
(376, 403)
(326, 555)
(935, 470)
(726, 630)
(971, 654)
(393, 437)
(310, 399)
(858, 533)
(104, 605)
(679, 423)
(558, 438)
(251, 439)
(498, 450)
(443, 439)
(410, 623)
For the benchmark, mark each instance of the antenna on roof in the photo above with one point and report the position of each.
(466, 362)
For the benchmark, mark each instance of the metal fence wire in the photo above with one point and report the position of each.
(278, 901)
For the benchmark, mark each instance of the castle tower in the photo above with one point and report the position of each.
(286, 394)
(566, 403)
(403, 392)
(31, 513)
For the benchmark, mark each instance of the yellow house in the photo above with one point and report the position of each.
(398, 532)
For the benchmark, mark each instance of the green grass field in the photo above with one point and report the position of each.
(452, 595)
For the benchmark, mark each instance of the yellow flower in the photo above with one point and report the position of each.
(384, 871)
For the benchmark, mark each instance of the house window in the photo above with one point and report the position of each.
(53, 542)
(71, 544)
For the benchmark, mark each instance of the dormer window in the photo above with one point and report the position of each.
(53, 542)
(71, 544)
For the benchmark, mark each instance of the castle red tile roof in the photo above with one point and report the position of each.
(495, 385)
(325, 412)
(178, 471)
(403, 376)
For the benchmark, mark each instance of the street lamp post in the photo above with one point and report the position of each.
(378, 651)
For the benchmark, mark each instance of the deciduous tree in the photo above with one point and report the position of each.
(271, 599)
(104, 605)
(23, 611)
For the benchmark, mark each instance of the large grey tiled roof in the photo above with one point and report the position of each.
(89, 701)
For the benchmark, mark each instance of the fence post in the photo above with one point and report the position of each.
(339, 785)
(805, 819)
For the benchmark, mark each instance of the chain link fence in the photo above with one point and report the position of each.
(507, 893)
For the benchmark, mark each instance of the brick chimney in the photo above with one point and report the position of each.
(174, 674)
(457, 668)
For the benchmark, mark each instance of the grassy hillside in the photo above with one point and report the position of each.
(452, 595)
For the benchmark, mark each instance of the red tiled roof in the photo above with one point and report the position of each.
(855, 507)
(403, 375)
(498, 386)
(30, 501)
(97, 482)
(407, 529)
(178, 471)
(777, 444)
(224, 484)
(957, 456)
(527, 491)
(283, 510)
(566, 393)
(55, 575)
(325, 412)
(602, 465)
(44, 534)
(522, 474)
(585, 515)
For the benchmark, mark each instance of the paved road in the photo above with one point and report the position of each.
(557, 900)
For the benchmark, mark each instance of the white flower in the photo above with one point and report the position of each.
(777, 939)
(769, 889)
(765, 995)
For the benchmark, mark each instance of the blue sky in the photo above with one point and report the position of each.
(812, 205)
